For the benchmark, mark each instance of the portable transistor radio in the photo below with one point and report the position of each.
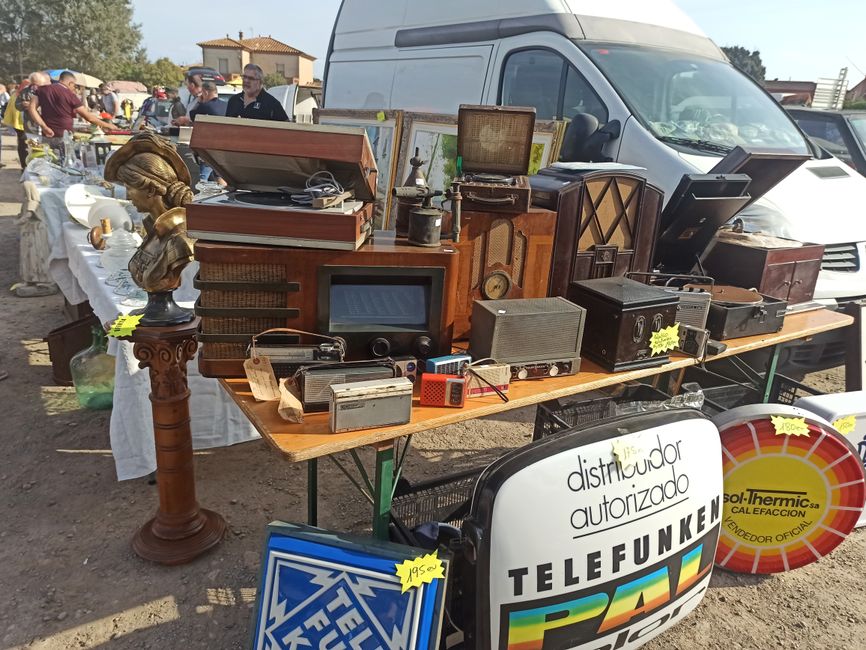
(450, 364)
(443, 390)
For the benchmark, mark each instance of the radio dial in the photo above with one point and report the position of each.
(424, 346)
(554, 370)
(380, 347)
(523, 373)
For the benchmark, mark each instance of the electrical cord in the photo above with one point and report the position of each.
(319, 185)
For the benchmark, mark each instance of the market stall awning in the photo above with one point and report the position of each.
(81, 79)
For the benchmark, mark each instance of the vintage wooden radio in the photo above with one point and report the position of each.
(776, 267)
(388, 298)
(494, 145)
(606, 224)
(502, 256)
(272, 170)
(622, 315)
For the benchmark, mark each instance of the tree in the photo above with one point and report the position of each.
(745, 61)
(162, 72)
(274, 79)
(89, 36)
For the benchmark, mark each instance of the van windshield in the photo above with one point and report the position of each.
(694, 102)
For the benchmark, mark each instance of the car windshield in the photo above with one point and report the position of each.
(858, 123)
(694, 102)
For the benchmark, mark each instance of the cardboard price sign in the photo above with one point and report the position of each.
(124, 326)
(665, 340)
(789, 426)
(421, 570)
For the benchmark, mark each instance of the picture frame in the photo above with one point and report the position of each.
(435, 136)
(384, 132)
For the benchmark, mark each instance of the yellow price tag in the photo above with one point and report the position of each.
(665, 339)
(421, 570)
(380, 116)
(845, 425)
(626, 453)
(124, 326)
(789, 426)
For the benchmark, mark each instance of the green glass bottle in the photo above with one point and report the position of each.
(92, 372)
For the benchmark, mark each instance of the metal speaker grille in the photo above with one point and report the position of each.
(433, 392)
(219, 299)
(518, 264)
(316, 385)
(499, 242)
(550, 335)
(215, 271)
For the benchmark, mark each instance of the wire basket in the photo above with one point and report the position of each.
(559, 414)
(445, 499)
(787, 391)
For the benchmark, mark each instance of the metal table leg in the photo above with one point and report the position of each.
(313, 492)
(382, 490)
(771, 374)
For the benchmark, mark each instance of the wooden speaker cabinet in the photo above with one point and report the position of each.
(502, 256)
(607, 222)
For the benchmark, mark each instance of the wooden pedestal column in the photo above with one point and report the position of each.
(181, 530)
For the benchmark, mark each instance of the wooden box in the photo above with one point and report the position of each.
(606, 226)
(788, 272)
(248, 289)
(263, 163)
(494, 145)
(502, 256)
(621, 317)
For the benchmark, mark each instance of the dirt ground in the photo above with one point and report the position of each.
(69, 578)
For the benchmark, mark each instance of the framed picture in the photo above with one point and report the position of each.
(322, 589)
(435, 138)
(383, 130)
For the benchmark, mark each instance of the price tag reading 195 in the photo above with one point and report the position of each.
(421, 570)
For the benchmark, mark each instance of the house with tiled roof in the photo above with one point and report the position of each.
(230, 55)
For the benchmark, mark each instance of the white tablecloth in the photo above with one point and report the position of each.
(215, 420)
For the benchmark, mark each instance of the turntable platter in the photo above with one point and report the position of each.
(490, 178)
(264, 198)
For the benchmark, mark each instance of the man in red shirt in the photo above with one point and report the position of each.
(60, 104)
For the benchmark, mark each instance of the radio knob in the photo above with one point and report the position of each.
(424, 346)
(523, 373)
(554, 370)
(380, 347)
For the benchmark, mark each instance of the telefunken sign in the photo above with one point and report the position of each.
(621, 550)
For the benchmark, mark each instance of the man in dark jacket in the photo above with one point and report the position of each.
(255, 102)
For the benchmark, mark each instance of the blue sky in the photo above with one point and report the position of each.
(800, 40)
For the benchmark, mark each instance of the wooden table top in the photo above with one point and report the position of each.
(311, 439)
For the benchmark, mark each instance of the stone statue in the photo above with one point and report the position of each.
(158, 183)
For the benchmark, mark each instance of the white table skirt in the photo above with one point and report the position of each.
(216, 421)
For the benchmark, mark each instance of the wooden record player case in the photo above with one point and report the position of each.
(495, 141)
(262, 156)
(606, 226)
(786, 273)
(502, 256)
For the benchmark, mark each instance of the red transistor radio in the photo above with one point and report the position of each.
(443, 390)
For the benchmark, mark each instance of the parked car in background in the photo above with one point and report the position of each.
(158, 116)
(208, 73)
(841, 133)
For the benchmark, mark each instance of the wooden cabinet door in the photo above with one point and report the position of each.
(777, 280)
(803, 281)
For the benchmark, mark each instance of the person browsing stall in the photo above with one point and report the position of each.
(110, 101)
(209, 102)
(255, 102)
(60, 104)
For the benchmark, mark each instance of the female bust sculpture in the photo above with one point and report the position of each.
(157, 182)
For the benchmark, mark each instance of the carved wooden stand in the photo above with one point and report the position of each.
(181, 530)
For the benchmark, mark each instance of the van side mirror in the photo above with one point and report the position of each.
(584, 140)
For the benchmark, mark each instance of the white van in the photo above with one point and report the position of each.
(663, 90)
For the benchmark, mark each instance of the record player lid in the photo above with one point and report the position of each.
(625, 292)
(262, 155)
(495, 139)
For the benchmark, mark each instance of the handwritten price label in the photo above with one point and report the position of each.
(789, 426)
(626, 453)
(380, 116)
(421, 570)
(845, 425)
(124, 326)
(665, 339)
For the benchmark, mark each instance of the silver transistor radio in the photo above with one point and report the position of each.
(370, 404)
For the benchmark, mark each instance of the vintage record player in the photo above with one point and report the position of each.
(494, 144)
(502, 256)
(607, 222)
(267, 166)
(386, 299)
(776, 267)
(622, 315)
(736, 312)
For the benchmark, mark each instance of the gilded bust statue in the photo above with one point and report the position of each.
(157, 183)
